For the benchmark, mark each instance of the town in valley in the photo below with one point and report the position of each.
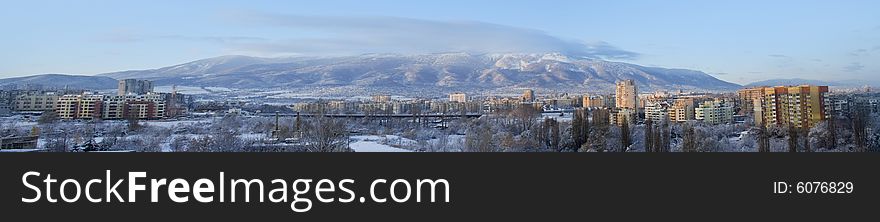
(141, 117)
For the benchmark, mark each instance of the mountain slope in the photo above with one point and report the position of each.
(62, 80)
(220, 64)
(431, 70)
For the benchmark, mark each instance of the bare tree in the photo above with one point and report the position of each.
(479, 138)
(200, 144)
(689, 140)
(526, 116)
(554, 135)
(649, 135)
(600, 128)
(763, 139)
(179, 144)
(625, 135)
(831, 125)
(807, 147)
(859, 128)
(48, 117)
(665, 137)
(580, 128)
(793, 138)
(326, 135)
(133, 124)
(297, 125)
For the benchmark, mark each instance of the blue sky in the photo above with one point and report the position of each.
(738, 41)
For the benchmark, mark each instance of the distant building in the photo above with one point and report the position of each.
(381, 98)
(799, 106)
(149, 106)
(626, 96)
(599, 101)
(682, 110)
(176, 104)
(35, 101)
(678, 110)
(656, 110)
(560, 103)
(134, 86)
(837, 106)
(528, 95)
(495, 104)
(5, 110)
(83, 106)
(458, 97)
(619, 115)
(715, 112)
(19, 142)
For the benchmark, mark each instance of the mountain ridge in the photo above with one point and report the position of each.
(63, 80)
(800, 81)
(484, 70)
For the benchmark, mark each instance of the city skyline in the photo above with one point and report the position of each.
(739, 42)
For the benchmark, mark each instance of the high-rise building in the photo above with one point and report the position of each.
(528, 95)
(627, 96)
(746, 99)
(715, 112)
(458, 97)
(797, 106)
(134, 86)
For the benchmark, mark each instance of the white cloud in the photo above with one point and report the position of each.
(854, 67)
(356, 35)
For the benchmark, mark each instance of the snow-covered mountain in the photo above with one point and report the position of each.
(453, 70)
(63, 80)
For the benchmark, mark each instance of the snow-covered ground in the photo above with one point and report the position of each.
(371, 144)
(561, 117)
(175, 123)
(192, 90)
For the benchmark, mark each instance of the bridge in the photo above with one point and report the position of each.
(362, 115)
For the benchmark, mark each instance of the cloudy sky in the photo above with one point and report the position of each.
(738, 41)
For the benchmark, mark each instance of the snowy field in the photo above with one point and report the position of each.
(192, 90)
(561, 117)
(174, 123)
(372, 144)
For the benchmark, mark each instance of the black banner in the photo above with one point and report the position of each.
(484, 186)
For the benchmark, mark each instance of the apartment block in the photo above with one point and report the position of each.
(799, 106)
(618, 116)
(682, 110)
(627, 96)
(35, 101)
(715, 112)
(746, 99)
(656, 110)
(84, 106)
(149, 106)
(598, 101)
